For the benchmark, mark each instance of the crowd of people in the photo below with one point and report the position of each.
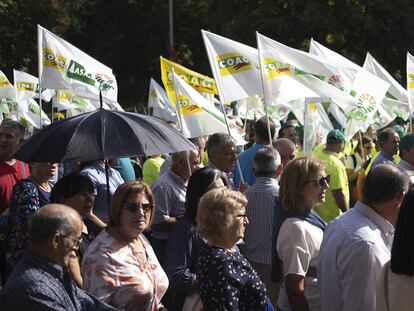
(215, 228)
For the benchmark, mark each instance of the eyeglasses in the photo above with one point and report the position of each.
(321, 182)
(88, 192)
(77, 241)
(132, 207)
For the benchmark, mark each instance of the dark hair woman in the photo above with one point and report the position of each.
(184, 242)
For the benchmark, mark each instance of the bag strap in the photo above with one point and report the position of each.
(387, 266)
(23, 170)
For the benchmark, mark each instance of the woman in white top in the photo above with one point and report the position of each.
(396, 284)
(298, 233)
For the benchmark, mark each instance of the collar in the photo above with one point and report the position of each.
(43, 264)
(387, 155)
(177, 178)
(406, 165)
(384, 225)
(267, 181)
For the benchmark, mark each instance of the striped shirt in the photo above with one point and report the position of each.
(169, 193)
(355, 247)
(38, 284)
(261, 204)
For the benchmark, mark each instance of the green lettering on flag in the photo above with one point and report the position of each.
(77, 71)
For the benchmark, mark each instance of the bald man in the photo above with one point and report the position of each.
(286, 149)
(40, 280)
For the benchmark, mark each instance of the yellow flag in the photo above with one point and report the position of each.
(198, 81)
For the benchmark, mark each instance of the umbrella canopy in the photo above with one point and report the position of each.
(102, 134)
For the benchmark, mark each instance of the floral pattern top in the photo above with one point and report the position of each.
(23, 203)
(116, 274)
(227, 281)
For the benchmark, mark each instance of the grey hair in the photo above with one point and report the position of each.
(217, 141)
(46, 222)
(20, 129)
(266, 161)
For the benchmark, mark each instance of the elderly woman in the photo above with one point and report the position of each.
(226, 280)
(28, 196)
(184, 242)
(120, 267)
(396, 284)
(298, 233)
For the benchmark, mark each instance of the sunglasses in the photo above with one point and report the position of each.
(321, 182)
(133, 208)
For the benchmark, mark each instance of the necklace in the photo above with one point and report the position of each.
(45, 186)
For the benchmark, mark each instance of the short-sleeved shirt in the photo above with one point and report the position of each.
(9, 176)
(169, 195)
(339, 180)
(298, 245)
(227, 281)
(118, 275)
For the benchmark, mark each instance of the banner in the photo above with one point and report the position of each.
(197, 116)
(25, 84)
(6, 88)
(410, 80)
(65, 67)
(73, 104)
(201, 83)
(235, 67)
(29, 110)
(160, 103)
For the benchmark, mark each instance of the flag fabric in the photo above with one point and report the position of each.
(65, 67)
(316, 124)
(235, 67)
(201, 83)
(30, 111)
(410, 80)
(6, 88)
(73, 104)
(158, 100)
(26, 85)
(197, 116)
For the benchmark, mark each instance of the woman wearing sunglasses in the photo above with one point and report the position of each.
(298, 233)
(120, 267)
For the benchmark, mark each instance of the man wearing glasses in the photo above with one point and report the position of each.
(41, 280)
(337, 195)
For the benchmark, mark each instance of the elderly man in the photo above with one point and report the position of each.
(41, 281)
(389, 141)
(169, 193)
(261, 139)
(286, 149)
(337, 195)
(11, 170)
(357, 244)
(407, 154)
(222, 155)
(261, 203)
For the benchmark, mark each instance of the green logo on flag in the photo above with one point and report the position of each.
(78, 72)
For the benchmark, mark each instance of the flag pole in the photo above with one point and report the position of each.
(40, 64)
(180, 120)
(262, 73)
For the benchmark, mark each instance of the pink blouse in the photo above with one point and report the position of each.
(117, 275)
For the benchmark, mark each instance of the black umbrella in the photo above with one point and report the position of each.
(102, 134)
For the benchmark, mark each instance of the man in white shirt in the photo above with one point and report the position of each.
(357, 244)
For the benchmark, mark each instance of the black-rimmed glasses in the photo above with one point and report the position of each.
(322, 182)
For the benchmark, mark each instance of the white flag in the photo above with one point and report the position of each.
(25, 84)
(29, 110)
(198, 117)
(316, 124)
(159, 102)
(6, 88)
(235, 67)
(410, 80)
(65, 67)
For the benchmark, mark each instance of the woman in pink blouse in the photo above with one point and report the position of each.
(120, 267)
